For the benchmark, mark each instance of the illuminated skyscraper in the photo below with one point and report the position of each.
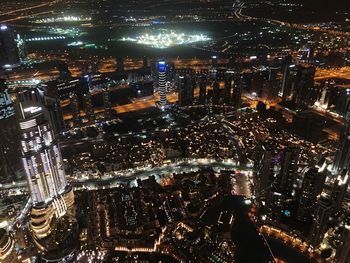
(107, 104)
(228, 85)
(41, 157)
(75, 109)
(287, 61)
(10, 162)
(289, 169)
(52, 224)
(320, 221)
(264, 170)
(237, 91)
(89, 110)
(162, 83)
(297, 84)
(303, 86)
(339, 190)
(185, 90)
(8, 48)
(312, 186)
(342, 157)
(214, 61)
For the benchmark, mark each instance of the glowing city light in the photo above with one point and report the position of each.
(166, 39)
(63, 19)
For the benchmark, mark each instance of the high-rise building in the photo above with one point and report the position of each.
(52, 215)
(185, 90)
(120, 64)
(10, 162)
(75, 109)
(107, 105)
(312, 186)
(171, 71)
(202, 88)
(162, 82)
(41, 157)
(145, 63)
(21, 45)
(287, 61)
(216, 93)
(9, 55)
(286, 179)
(343, 250)
(237, 91)
(297, 84)
(259, 77)
(228, 85)
(214, 61)
(264, 169)
(50, 99)
(339, 190)
(305, 54)
(65, 73)
(342, 157)
(89, 110)
(303, 86)
(320, 221)
(271, 85)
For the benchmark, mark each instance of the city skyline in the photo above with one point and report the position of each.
(182, 131)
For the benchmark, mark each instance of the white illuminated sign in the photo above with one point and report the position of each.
(32, 109)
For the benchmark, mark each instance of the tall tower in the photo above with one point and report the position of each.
(264, 170)
(339, 190)
(162, 82)
(287, 61)
(320, 221)
(120, 64)
(237, 91)
(202, 89)
(216, 93)
(52, 216)
(228, 85)
(342, 157)
(41, 157)
(9, 55)
(10, 162)
(75, 109)
(303, 86)
(107, 104)
(89, 110)
(312, 186)
(288, 172)
(185, 90)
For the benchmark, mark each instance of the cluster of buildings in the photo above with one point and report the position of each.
(154, 217)
(300, 200)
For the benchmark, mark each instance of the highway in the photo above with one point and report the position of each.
(29, 8)
(130, 176)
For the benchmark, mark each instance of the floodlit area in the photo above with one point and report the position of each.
(62, 19)
(166, 39)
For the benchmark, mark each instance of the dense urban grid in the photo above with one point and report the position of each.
(174, 131)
